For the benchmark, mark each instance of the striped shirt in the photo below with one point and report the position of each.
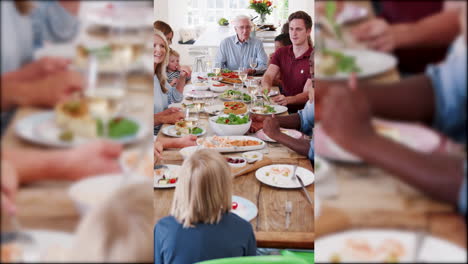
(233, 54)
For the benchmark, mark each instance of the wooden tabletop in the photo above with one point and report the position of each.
(46, 204)
(369, 197)
(269, 225)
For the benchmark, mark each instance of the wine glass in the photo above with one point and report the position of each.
(253, 63)
(217, 68)
(191, 120)
(242, 75)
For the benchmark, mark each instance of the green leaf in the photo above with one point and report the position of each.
(119, 127)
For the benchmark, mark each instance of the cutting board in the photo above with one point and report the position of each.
(251, 167)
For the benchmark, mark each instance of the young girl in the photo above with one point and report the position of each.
(201, 226)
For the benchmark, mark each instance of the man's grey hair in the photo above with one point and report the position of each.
(238, 18)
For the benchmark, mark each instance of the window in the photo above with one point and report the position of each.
(203, 12)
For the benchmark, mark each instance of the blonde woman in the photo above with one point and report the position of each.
(201, 226)
(118, 230)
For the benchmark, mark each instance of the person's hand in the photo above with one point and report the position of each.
(377, 34)
(93, 158)
(45, 66)
(257, 123)
(53, 89)
(158, 150)
(280, 99)
(173, 82)
(9, 187)
(271, 127)
(187, 69)
(346, 116)
(187, 141)
(168, 116)
(183, 74)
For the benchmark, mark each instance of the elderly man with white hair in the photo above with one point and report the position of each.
(235, 51)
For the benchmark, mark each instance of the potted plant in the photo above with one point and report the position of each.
(262, 7)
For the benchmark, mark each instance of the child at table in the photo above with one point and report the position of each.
(119, 229)
(201, 226)
(174, 74)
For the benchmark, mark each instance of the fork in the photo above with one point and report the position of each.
(420, 237)
(288, 209)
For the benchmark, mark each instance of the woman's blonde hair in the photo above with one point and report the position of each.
(204, 189)
(24, 7)
(160, 69)
(118, 230)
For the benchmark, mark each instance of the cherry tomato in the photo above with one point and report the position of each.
(173, 180)
(234, 205)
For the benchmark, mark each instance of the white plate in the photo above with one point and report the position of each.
(217, 109)
(433, 249)
(53, 245)
(351, 13)
(278, 108)
(281, 181)
(290, 132)
(224, 149)
(199, 94)
(250, 156)
(40, 128)
(172, 132)
(414, 136)
(246, 209)
(194, 87)
(321, 168)
(370, 62)
(173, 170)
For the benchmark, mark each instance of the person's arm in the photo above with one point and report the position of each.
(300, 98)
(301, 146)
(186, 141)
(269, 76)
(168, 116)
(271, 127)
(181, 82)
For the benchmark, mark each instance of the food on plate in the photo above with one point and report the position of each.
(282, 171)
(359, 249)
(236, 108)
(74, 117)
(232, 94)
(166, 176)
(107, 54)
(235, 160)
(266, 109)
(234, 205)
(182, 129)
(231, 80)
(226, 142)
(233, 119)
(333, 62)
(200, 84)
(11, 252)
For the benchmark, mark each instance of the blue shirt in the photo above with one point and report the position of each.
(233, 54)
(163, 100)
(307, 124)
(231, 237)
(449, 84)
(21, 35)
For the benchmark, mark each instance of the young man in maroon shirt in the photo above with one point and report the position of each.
(293, 64)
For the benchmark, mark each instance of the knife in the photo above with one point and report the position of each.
(304, 189)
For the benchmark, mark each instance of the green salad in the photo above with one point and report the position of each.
(119, 127)
(232, 94)
(233, 119)
(193, 131)
(343, 63)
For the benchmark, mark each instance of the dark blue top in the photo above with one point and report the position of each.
(231, 237)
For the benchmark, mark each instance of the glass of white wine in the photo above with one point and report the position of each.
(242, 75)
(253, 63)
(217, 68)
(191, 120)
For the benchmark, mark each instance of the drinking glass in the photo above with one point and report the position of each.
(253, 63)
(242, 75)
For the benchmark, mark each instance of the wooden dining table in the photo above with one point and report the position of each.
(270, 224)
(365, 196)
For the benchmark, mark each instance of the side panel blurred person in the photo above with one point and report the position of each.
(293, 64)
(201, 209)
(437, 97)
(118, 230)
(20, 166)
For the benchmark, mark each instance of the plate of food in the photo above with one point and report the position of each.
(231, 143)
(385, 246)
(71, 124)
(53, 246)
(198, 86)
(281, 176)
(339, 64)
(414, 136)
(230, 125)
(215, 109)
(165, 176)
(199, 94)
(233, 95)
(290, 132)
(218, 87)
(268, 109)
(244, 208)
(234, 107)
(180, 129)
